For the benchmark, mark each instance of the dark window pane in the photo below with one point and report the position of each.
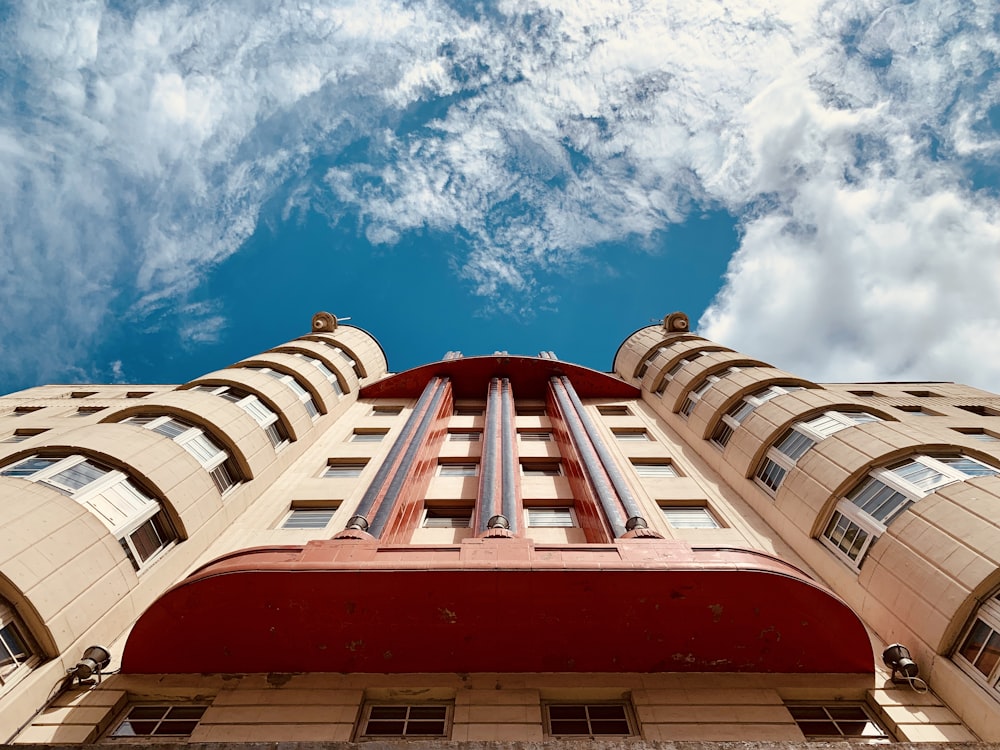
(388, 712)
(609, 727)
(819, 729)
(567, 712)
(425, 727)
(988, 658)
(147, 712)
(570, 727)
(807, 712)
(142, 727)
(607, 712)
(394, 728)
(975, 640)
(427, 712)
(176, 727)
(853, 728)
(186, 712)
(847, 712)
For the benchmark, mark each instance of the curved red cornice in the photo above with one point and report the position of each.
(498, 606)
(470, 378)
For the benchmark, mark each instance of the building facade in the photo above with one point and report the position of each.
(305, 546)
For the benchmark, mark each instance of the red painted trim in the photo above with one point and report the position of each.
(498, 606)
(528, 375)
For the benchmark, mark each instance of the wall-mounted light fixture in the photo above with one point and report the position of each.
(897, 657)
(95, 659)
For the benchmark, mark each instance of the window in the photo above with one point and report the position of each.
(368, 436)
(216, 461)
(447, 517)
(534, 436)
(550, 517)
(631, 434)
(453, 469)
(613, 410)
(416, 720)
(17, 653)
(530, 410)
(783, 455)
(670, 375)
(344, 469)
(744, 408)
(979, 650)
(135, 519)
(347, 358)
(862, 516)
(138, 394)
(86, 411)
(839, 721)
(464, 436)
(82, 394)
(469, 410)
(588, 720)
(917, 411)
(308, 518)
(689, 517)
(297, 388)
(979, 410)
(384, 410)
(920, 394)
(650, 359)
(262, 414)
(160, 721)
(655, 469)
(21, 435)
(541, 468)
(972, 432)
(864, 394)
(327, 373)
(20, 411)
(695, 396)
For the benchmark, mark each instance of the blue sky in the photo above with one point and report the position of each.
(183, 184)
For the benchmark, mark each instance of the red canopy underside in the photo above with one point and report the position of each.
(529, 377)
(325, 608)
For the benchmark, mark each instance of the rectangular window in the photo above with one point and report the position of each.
(29, 467)
(976, 434)
(138, 394)
(77, 476)
(86, 411)
(15, 648)
(841, 721)
(447, 517)
(978, 410)
(458, 470)
(613, 410)
(689, 517)
(464, 436)
(386, 410)
(82, 394)
(160, 721)
(654, 470)
(771, 474)
(469, 410)
(528, 410)
(416, 720)
(22, 410)
(534, 436)
(550, 517)
(631, 434)
(22, 435)
(308, 518)
(368, 436)
(541, 468)
(917, 411)
(588, 720)
(344, 469)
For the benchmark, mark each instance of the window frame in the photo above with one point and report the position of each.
(739, 411)
(265, 417)
(19, 665)
(883, 738)
(301, 392)
(447, 511)
(988, 614)
(337, 468)
(632, 435)
(221, 466)
(457, 469)
(644, 469)
(627, 715)
(540, 467)
(124, 717)
(669, 506)
(303, 511)
(563, 510)
(364, 720)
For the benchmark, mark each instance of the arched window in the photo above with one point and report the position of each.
(216, 461)
(978, 652)
(18, 652)
(742, 409)
(862, 516)
(253, 406)
(802, 436)
(297, 388)
(135, 519)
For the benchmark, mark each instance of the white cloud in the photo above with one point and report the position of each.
(136, 151)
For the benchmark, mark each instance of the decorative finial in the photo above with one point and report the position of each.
(324, 322)
(676, 322)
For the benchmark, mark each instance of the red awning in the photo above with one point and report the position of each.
(470, 378)
(498, 606)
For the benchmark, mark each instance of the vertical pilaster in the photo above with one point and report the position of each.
(490, 476)
(511, 485)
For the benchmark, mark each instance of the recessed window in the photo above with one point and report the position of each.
(327, 373)
(979, 650)
(82, 394)
(368, 436)
(447, 517)
(534, 436)
(138, 394)
(631, 435)
(588, 720)
(386, 410)
(17, 651)
(308, 518)
(295, 385)
(863, 515)
(415, 720)
(22, 435)
(457, 469)
(160, 721)
(344, 469)
(742, 409)
(261, 413)
(921, 394)
(655, 469)
(613, 410)
(469, 410)
(977, 434)
(20, 411)
(689, 517)
(838, 721)
(555, 517)
(464, 436)
(530, 410)
(917, 411)
(205, 449)
(865, 394)
(541, 468)
(979, 410)
(86, 411)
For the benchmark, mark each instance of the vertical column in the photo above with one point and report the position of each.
(511, 486)
(490, 476)
(382, 493)
(624, 494)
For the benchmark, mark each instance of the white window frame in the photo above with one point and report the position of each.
(631, 434)
(17, 665)
(670, 375)
(346, 357)
(534, 436)
(458, 469)
(650, 469)
(334, 468)
(743, 408)
(987, 616)
(262, 414)
(566, 517)
(854, 516)
(701, 515)
(777, 462)
(436, 516)
(363, 435)
(113, 498)
(532, 468)
(309, 514)
(588, 706)
(331, 377)
(363, 726)
(464, 436)
(300, 391)
(222, 470)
